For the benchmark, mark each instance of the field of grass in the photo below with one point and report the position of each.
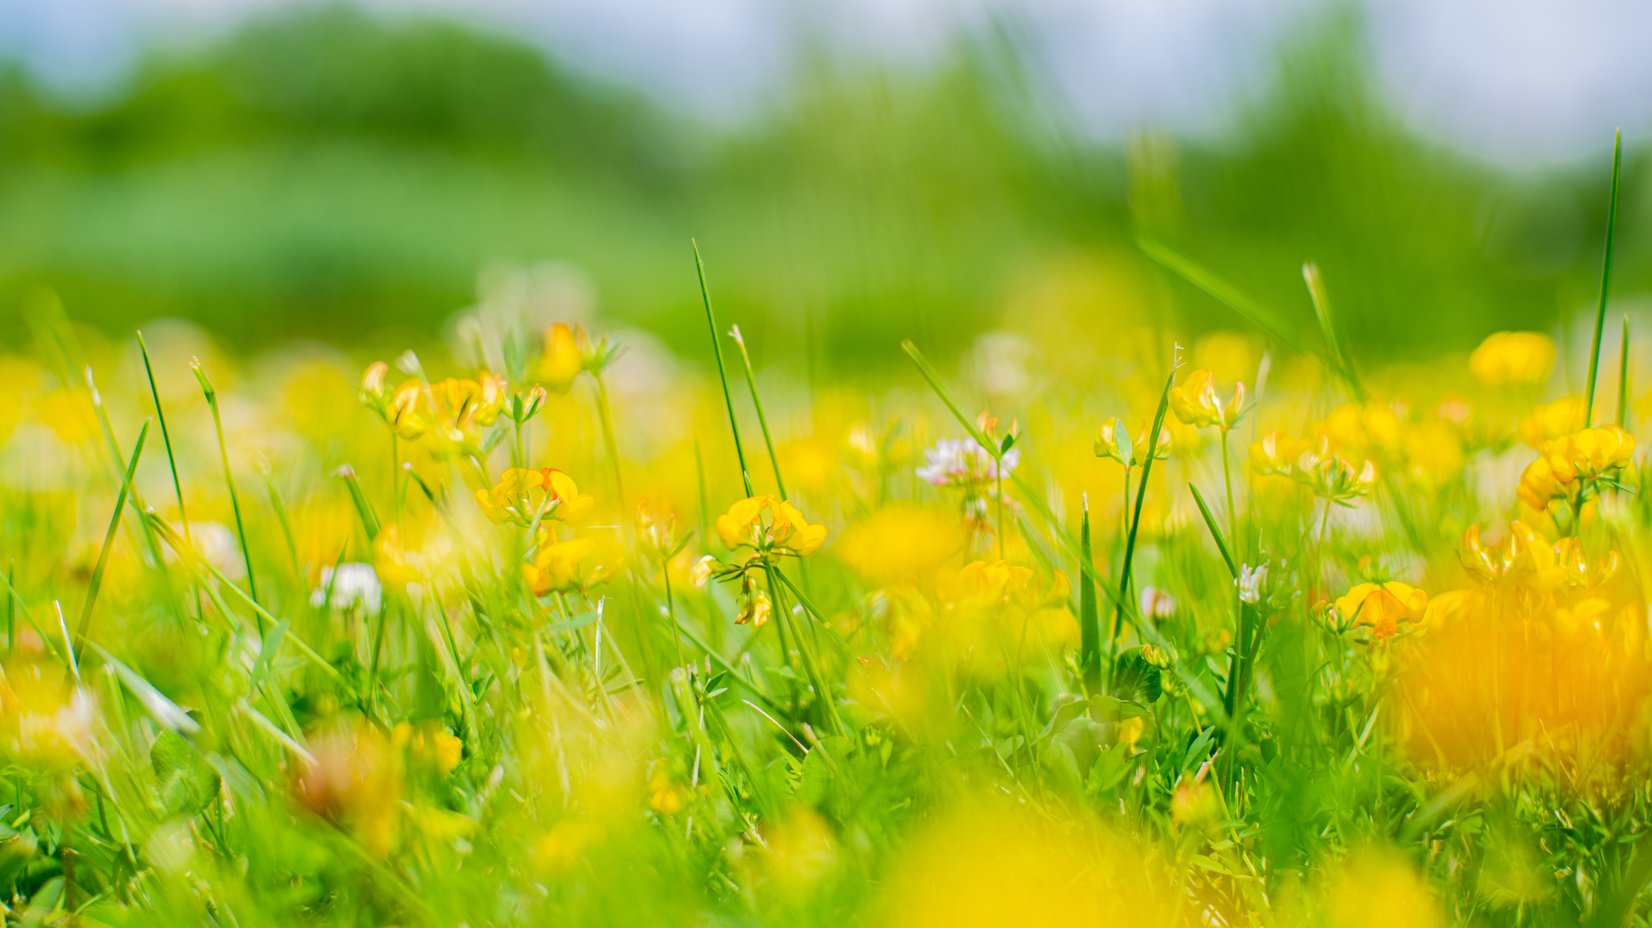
(546, 625)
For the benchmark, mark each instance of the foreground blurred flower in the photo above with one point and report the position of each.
(1513, 359)
(528, 496)
(1377, 889)
(902, 543)
(355, 781)
(1196, 403)
(1382, 607)
(995, 865)
(575, 565)
(44, 720)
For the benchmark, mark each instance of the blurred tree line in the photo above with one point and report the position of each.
(332, 174)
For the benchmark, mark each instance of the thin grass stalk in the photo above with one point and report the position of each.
(211, 395)
(1135, 526)
(96, 583)
(757, 403)
(1605, 278)
(722, 371)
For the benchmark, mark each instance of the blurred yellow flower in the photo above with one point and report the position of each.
(566, 349)
(993, 866)
(569, 566)
(1513, 359)
(354, 780)
(1550, 421)
(1382, 607)
(1378, 889)
(902, 543)
(1196, 402)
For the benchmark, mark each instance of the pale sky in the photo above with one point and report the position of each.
(1525, 82)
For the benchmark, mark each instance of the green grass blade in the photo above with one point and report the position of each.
(722, 371)
(1222, 291)
(1215, 531)
(1135, 522)
(108, 545)
(757, 401)
(1089, 618)
(1335, 343)
(934, 380)
(211, 395)
(1605, 278)
(1623, 377)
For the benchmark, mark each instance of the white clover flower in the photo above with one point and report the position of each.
(1250, 583)
(963, 462)
(1156, 603)
(351, 585)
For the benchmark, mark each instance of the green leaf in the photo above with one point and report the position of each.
(1137, 679)
(186, 781)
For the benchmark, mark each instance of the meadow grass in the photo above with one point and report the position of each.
(1241, 632)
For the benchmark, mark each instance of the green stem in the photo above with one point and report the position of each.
(1605, 278)
(722, 372)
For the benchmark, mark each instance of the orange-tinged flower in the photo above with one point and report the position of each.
(524, 496)
(769, 524)
(1382, 606)
(1196, 402)
(1513, 359)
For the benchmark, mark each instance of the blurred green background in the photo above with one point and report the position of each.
(326, 174)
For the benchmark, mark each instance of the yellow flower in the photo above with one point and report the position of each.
(1531, 560)
(1513, 359)
(1567, 462)
(665, 796)
(1551, 421)
(1113, 440)
(902, 543)
(1312, 464)
(44, 719)
(449, 410)
(1196, 402)
(429, 745)
(523, 496)
(1382, 606)
(1375, 889)
(755, 607)
(566, 348)
(569, 566)
(355, 780)
(769, 524)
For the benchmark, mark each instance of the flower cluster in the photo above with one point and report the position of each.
(1311, 463)
(1569, 467)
